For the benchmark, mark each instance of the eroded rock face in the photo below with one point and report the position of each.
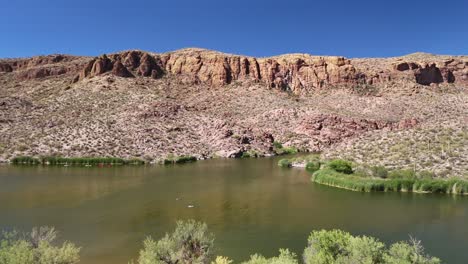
(297, 73)
(290, 72)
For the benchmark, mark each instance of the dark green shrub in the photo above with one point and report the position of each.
(402, 174)
(379, 171)
(277, 145)
(342, 166)
(25, 160)
(185, 159)
(284, 163)
(312, 166)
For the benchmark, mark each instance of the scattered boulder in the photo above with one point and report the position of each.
(118, 69)
(4, 67)
(429, 74)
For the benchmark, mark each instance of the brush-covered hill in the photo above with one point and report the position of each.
(209, 104)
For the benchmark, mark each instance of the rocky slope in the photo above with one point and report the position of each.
(206, 103)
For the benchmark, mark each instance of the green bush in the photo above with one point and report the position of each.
(408, 253)
(342, 166)
(285, 257)
(189, 243)
(339, 247)
(379, 171)
(284, 163)
(179, 159)
(277, 145)
(325, 246)
(402, 174)
(36, 247)
(279, 149)
(312, 166)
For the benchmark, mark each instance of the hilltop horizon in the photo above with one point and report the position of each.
(201, 49)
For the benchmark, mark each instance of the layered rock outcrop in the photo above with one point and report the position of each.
(299, 73)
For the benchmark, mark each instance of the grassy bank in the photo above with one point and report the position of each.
(356, 183)
(346, 175)
(26, 160)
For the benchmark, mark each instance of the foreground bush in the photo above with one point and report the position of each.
(336, 246)
(189, 243)
(36, 247)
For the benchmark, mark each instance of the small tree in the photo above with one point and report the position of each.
(190, 243)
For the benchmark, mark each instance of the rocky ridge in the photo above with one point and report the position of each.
(298, 73)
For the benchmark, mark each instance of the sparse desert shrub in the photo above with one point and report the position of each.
(342, 166)
(36, 247)
(189, 243)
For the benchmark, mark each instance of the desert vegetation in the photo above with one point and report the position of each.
(192, 243)
(28, 160)
(36, 247)
(279, 149)
(442, 150)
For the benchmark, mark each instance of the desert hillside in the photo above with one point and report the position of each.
(408, 111)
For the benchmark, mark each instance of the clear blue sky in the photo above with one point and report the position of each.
(352, 28)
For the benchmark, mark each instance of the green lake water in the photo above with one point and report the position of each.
(251, 205)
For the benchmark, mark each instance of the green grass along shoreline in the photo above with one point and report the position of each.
(341, 174)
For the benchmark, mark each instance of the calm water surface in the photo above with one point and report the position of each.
(251, 206)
